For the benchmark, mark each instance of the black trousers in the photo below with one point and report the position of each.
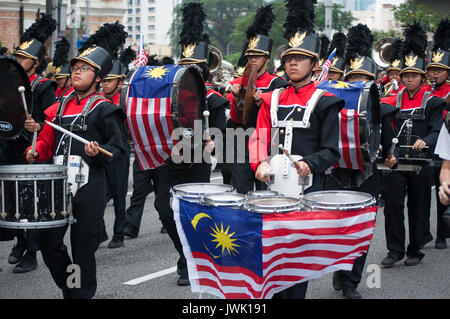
(117, 186)
(352, 278)
(144, 182)
(441, 232)
(243, 178)
(170, 176)
(396, 186)
(88, 207)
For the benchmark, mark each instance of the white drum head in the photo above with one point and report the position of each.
(338, 200)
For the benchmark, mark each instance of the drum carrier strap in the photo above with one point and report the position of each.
(418, 113)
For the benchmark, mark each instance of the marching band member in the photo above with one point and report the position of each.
(324, 45)
(258, 51)
(117, 171)
(318, 143)
(62, 69)
(337, 68)
(31, 54)
(195, 51)
(438, 71)
(419, 121)
(96, 119)
(368, 180)
(393, 70)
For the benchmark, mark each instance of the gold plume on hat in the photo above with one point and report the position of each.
(356, 63)
(188, 50)
(411, 60)
(297, 39)
(437, 56)
(253, 42)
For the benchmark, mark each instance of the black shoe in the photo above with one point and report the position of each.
(390, 260)
(28, 263)
(440, 243)
(16, 254)
(130, 231)
(412, 261)
(163, 230)
(183, 281)
(336, 282)
(351, 293)
(115, 243)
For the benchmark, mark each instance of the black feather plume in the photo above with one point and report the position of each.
(262, 23)
(300, 16)
(62, 48)
(442, 35)
(127, 56)
(153, 61)
(193, 22)
(396, 50)
(167, 60)
(324, 44)
(40, 30)
(110, 36)
(415, 39)
(359, 42)
(338, 42)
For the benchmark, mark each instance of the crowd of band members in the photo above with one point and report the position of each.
(298, 84)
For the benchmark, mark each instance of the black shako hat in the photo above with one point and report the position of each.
(440, 54)
(120, 66)
(60, 63)
(357, 55)
(338, 42)
(259, 42)
(414, 46)
(395, 56)
(33, 39)
(102, 47)
(299, 29)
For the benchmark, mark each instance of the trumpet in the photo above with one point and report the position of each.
(388, 88)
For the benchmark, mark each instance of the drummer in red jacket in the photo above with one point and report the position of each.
(317, 142)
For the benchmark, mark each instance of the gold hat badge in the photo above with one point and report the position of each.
(411, 60)
(253, 43)
(395, 63)
(356, 63)
(437, 56)
(188, 50)
(25, 45)
(335, 59)
(297, 40)
(87, 52)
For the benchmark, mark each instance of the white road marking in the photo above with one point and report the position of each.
(161, 273)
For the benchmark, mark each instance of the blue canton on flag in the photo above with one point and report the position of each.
(153, 81)
(349, 91)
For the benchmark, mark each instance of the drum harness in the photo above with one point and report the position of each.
(81, 126)
(289, 125)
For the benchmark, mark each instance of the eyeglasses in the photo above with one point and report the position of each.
(82, 69)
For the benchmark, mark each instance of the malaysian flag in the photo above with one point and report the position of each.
(142, 57)
(149, 114)
(233, 253)
(326, 67)
(349, 144)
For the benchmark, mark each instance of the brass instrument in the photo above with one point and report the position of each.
(382, 51)
(388, 88)
(214, 59)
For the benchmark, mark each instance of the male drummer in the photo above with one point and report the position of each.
(424, 112)
(366, 179)
(102, 127)
(117, 171)
(438, 71)
(30, 55)
(171, 173)
(62, 72)
(318, 144)
(258, 51)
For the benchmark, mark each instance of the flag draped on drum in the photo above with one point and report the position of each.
(234, 253)
(148, 112)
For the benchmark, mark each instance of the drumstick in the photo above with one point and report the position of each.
(33, 145)
(286, 152)
(78, 138)
(206, 115)
(22, 90)
(410, 146)
(394, 144)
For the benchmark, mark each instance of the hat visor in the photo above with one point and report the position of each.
(88, 61)
(184, 61)
(412, 70)
(256, 52)
(336, 70)
(25, 54)
(438, 65)
(299, 51)
(359, 71)
(113, 77)
(61, 75)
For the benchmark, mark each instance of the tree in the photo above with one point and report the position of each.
(428, 16)
(341, 19)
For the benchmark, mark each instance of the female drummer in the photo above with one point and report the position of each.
(101, 126)
(319, 143)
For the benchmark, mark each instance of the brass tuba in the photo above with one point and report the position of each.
(214, 58)
(382, 51)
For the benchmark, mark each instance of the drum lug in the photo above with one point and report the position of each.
(3, 215)
(17, 216)
(53, 215)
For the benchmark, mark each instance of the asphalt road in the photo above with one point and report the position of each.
(144, 269)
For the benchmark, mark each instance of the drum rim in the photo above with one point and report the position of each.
(338, 206)
(254, 194)
(179, 192)
(38, 225)
(208, 199)
(278, 209)
(32, 172)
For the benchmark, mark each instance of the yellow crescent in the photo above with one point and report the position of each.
(197, 218)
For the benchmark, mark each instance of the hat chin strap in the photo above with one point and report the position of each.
(88, 88)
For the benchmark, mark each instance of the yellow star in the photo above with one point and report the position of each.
(341, 85)
(224, 239)
(156, 73)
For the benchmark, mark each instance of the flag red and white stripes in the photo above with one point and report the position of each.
(150, 125)
(326, 67)
(142, 57)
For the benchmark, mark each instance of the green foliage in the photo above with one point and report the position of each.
(428, 16)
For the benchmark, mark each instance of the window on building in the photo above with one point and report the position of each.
(138, 28)
(151, 27)
(151, 1)
(130, 29)
(137, 2)
(151, 19)
(138, 10)
(129, 2)
(138, 20)
(130, 19)
(130, 11)
(151, 9)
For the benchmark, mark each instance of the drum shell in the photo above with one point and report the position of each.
(273, 204)
(38, 189)
(262, 193)
(195, 192)
(227, 199)
(336, 200)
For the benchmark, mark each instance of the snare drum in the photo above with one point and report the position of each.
(227, 199)
(262, 193)
(337, 200)
(195, 192)
(34, 196)
(274, 204)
